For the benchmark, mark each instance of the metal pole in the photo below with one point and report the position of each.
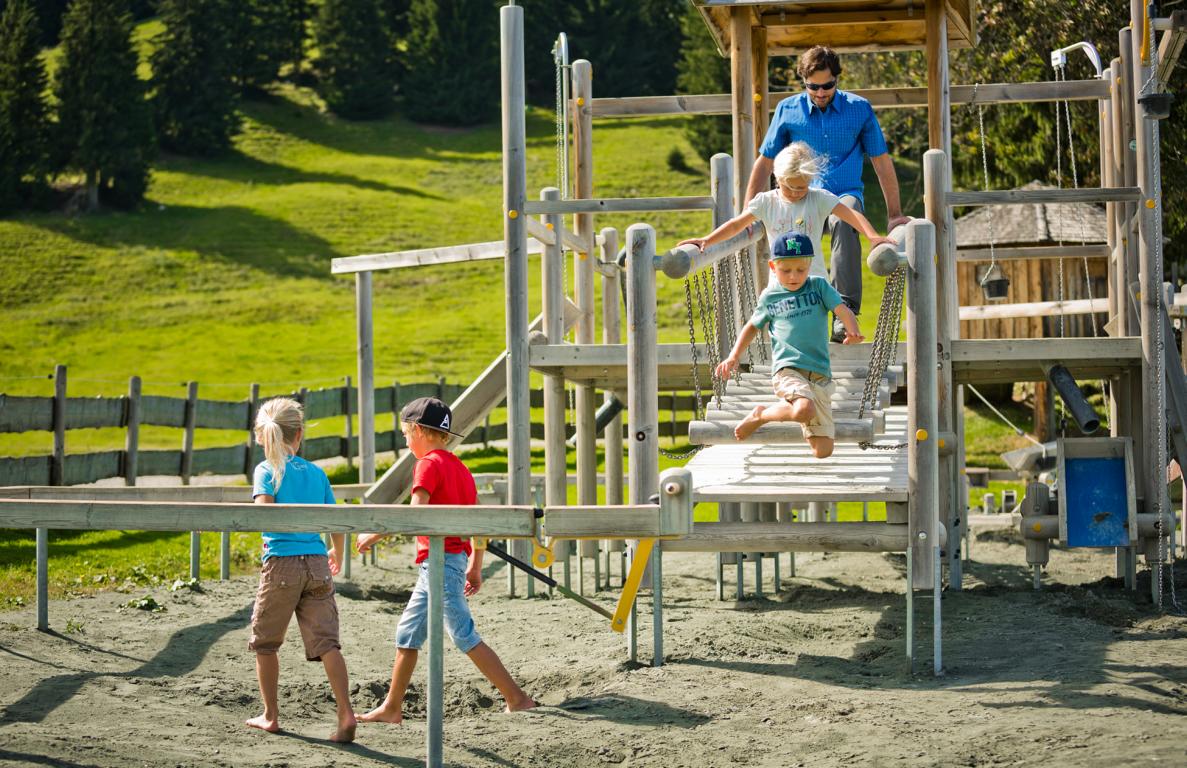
(43, 578)
(612, 334)
(435, 711)
(519, 459)
(556, 489)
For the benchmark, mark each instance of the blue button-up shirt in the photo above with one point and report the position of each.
(845, 131)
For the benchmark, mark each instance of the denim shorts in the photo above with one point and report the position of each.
(414, 622)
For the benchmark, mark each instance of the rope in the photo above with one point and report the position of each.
(985, 176)
(1002, 416)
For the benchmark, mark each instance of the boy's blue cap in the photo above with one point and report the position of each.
(792, 245)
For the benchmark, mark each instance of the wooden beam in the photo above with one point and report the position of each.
(1171, 46)
(620, 205)
(488, 521)
(1035, 309)
(1095, 251)
(879, 98)
(788, 537)
(1050, 196)
(423, 257)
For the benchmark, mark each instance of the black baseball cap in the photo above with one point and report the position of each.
(429, 412)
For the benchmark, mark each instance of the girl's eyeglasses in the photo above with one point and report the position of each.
(821, 86)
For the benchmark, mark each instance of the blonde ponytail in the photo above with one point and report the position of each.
(278, 422)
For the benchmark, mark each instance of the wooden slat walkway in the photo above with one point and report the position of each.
(753, 471)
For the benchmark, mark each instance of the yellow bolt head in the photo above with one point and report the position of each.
(940, 442)
(921, 435)
(513, 214)
(581, 101)
(757, 98)
(1150, 204)
(549, 225)
(1037, 528)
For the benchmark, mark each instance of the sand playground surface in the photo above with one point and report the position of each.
(1080, 674)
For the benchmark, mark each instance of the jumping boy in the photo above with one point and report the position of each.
(795, 311)
(440, 478)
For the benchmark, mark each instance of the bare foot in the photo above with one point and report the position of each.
(521, 705)
(345, 732)
(264, 724)
(747, 425)
(382, 714)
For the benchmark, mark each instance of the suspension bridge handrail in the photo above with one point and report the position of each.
(684, 260)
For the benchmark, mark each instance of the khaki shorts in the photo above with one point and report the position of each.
(790, 383)
(299, 584)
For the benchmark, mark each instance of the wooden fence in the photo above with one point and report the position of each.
(61, 413)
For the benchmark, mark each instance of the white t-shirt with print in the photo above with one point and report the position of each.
(808, 216)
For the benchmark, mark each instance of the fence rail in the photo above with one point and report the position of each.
(30, 414)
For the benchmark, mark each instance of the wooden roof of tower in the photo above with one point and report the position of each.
(793, 26)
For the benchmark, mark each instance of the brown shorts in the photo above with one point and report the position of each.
(300, 584)
(790, 383)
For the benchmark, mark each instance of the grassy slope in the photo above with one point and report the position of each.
(222, 276)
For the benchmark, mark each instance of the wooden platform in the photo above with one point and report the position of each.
(743, 472)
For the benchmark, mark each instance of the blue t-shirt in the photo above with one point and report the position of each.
(798, 324)
(845, 131)
(303, 483)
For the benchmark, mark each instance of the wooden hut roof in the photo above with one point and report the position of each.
(1037, 224)
(793, 26)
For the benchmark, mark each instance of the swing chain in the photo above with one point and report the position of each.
(692, 344)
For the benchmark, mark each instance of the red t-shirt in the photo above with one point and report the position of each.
(448, 482)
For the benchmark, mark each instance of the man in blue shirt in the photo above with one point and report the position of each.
(842, 127)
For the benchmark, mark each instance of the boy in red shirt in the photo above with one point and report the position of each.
(440, 478)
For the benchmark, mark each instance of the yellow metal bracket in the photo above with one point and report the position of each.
(630, 587)
(542, 556)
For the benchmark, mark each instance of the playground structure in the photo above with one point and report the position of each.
(760, 483)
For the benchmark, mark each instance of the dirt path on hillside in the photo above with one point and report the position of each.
(1080, 674)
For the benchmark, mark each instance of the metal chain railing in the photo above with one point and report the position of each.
(885, 348)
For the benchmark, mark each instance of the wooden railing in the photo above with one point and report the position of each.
(61, 413)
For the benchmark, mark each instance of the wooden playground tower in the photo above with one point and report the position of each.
(751, 32)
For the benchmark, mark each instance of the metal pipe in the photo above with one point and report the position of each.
(1081, 410)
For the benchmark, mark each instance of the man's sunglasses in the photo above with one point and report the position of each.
(821, 86)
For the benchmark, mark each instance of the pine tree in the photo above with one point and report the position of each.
(194, 94)
(356, 68)
(453, 61)
(23, 123)
(703, 70)
(268, 34)
(104, 122)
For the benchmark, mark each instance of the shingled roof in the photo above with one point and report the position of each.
(1038, 224)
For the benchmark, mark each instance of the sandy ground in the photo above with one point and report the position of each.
(1081, 674)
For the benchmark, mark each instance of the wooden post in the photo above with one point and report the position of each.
(760, 85)
(642, 375)
(57, 465)
(434, 711)
(552, 286)
(363, 289)
(742, 100)
(519, 459)
(1150, 271)
(937, 66)
(721, 188)
(922, 418)
(349, 412)
(1129, 163)
(612, 334)
(397, 435)
(951, 508)
(132, 439)
(187, 438)
(1107, 179)
(302, 397)
(583, 295)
